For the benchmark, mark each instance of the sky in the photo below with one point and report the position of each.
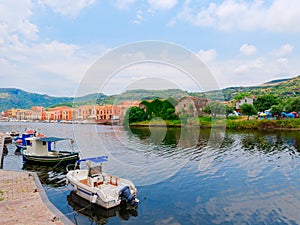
(53, 47)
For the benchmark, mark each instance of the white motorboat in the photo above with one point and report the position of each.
(101, 188)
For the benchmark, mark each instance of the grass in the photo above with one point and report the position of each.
(237, 122)
(1, 195)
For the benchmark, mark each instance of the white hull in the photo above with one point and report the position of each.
(101, 189)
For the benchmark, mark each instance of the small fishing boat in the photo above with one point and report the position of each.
(13, 133)
(101, 188)
(40, 150)
(20, 141)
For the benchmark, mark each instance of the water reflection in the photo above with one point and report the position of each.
(97, 214)
(52, 176)
(189, 175)
(192, 141)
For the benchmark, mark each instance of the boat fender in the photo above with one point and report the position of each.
(94, 198)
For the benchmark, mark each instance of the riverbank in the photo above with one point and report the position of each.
(24, 201)
(235, 123)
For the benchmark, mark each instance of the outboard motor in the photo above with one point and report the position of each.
(126, 196)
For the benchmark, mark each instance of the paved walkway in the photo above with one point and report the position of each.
(23, 201)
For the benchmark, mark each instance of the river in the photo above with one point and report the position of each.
(184, 176)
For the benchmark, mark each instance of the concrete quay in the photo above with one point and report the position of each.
(2, 140)
(24, 201)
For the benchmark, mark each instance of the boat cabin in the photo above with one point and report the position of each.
(42, 146)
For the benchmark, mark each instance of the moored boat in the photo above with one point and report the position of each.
(39, 150)
(101, 188)
(13, 133)
(20, 139)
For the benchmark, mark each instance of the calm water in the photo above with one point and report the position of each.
(183, 176)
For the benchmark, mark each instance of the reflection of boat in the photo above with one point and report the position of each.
(39, 150)
(101, 188)
(54, 176)
(98, 214)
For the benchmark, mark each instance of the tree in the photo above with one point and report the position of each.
(207, 109)
(241, 96)
(293, 105)
(134, 114)
(215, 108)
(228, 110)
(248, 110)
(276, 110)
(265, 102)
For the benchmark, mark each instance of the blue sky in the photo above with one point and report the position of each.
(48, 46)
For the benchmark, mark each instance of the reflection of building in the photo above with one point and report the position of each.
(191, 106)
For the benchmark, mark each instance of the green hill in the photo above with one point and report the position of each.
(141, 94)
(282, 88)
(16, 98)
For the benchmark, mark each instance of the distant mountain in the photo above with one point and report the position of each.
(283, 88)
(16, 98)
(141, 94)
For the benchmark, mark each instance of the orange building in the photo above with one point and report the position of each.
(107, 112)
(60, 113)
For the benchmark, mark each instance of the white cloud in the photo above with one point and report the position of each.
(123, 4)
(29, 30)
(249, 66)
(237, 71)
(283, 61)
(14, 20)
(283, 50)
(165, 4)
(139, 17)
(207, 56)
(248, 49)
(278, 16)
(69, 8)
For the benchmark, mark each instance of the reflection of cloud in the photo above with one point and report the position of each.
(264, 207)
(169, 220)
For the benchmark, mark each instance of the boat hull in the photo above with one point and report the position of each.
(93, 196)
(64, 158)
(102, 190)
